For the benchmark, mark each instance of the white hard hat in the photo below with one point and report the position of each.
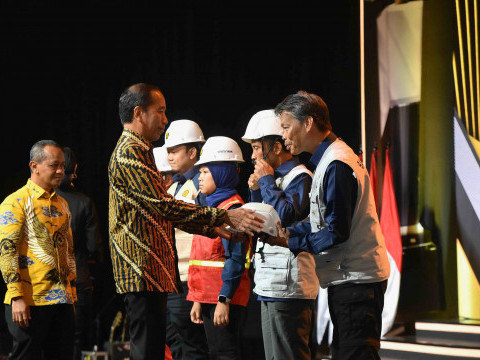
(160, 154)
(183, 132)
(220, 148)
(263, 123)
(268, 213)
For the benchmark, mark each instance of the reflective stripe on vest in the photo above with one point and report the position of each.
(208, 263)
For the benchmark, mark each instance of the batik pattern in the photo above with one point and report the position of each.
(36, 247)
(141, 220)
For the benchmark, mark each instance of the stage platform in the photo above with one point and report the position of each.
(433, 340)
(430, 340)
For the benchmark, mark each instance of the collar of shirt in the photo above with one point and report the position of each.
(286, 167)
(182, 179)
(320, 150)
(138, 138)
(39, 191)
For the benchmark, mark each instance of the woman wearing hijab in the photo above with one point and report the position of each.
(218, 282)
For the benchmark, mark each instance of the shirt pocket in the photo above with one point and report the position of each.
(272, 269)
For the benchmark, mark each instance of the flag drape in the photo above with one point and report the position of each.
(390, 224)
(389, 220)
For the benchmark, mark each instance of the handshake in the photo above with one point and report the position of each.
(254, 219)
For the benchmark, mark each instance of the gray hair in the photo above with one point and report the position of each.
(37, 152)
(304, 104)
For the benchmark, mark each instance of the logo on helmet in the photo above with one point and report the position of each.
(166, 135)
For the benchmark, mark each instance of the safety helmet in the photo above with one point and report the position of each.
(263, 123)
(269, 214)
(160, 154)
(183, 132)
(220, 148)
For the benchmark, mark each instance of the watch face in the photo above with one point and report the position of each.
(223, 299)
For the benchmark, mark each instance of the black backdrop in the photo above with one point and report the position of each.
(63, 70)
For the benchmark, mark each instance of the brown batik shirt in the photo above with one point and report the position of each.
(142, 217)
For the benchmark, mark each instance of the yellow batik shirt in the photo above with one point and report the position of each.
(36, 247)
(142, 217)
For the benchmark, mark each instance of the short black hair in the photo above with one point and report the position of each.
(133, 96)
(304, 104)
(196, 145)
(70, 160)
(270, 140)
(37, 152)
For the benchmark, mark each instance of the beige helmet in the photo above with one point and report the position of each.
(268, 213)
(220, 148)
(263, 123)
(160, 154)
(183, 132)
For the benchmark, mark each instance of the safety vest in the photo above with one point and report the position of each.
(362, 258)
(183, 240)
(188, 192)
(207, 259)
(278, 272)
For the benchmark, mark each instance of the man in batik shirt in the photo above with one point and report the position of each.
(37, 260)
(142, 219)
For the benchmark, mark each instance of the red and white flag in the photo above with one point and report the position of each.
(390, 224)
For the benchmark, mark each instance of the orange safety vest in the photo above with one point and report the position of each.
(207, 259)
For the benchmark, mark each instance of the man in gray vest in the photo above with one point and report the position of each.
(343, 229)
(286, 285)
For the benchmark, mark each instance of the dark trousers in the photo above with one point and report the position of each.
(146, 324)
(185, 339)
(83, 323)
(356, 313)
(286, 327)
(50, 333)
(224, 342)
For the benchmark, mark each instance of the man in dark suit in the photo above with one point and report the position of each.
(87, 245)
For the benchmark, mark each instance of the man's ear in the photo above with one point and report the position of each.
(137, 112)
(192, 153)
(33, 167)
(277, 148)
(308, 123)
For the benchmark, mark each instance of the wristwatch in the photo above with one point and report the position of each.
(223, 299)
